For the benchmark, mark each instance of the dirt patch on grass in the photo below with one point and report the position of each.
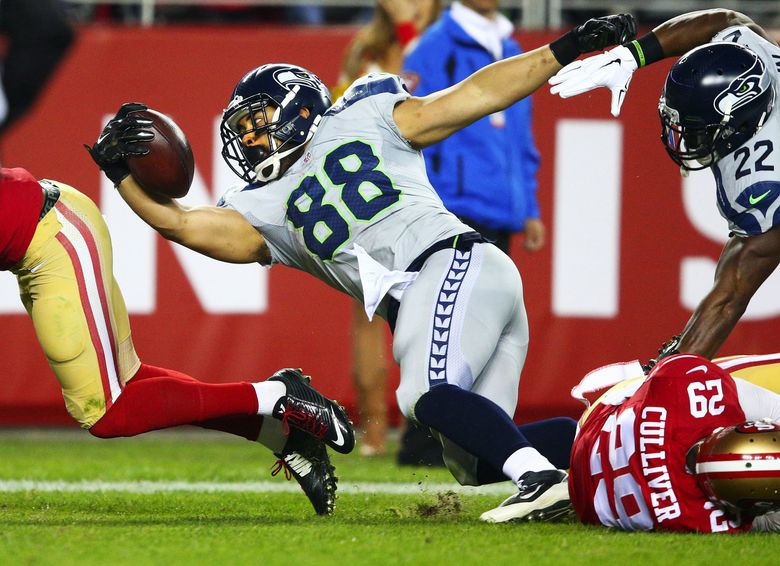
(447, 504)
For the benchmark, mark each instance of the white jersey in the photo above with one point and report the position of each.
(359, 187)
(748, 179)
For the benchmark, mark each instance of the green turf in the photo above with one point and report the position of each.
(266, 528)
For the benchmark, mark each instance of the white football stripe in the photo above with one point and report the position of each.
(738, 466)
(748, 360)
(15, 486)
(88, 265)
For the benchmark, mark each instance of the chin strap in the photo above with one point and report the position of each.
(275, 160)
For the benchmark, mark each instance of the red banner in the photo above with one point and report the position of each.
(631, 244)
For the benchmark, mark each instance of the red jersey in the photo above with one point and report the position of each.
(21, 199)
(628, 460)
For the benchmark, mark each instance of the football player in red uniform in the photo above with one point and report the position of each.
(673, 451)
(54, 239)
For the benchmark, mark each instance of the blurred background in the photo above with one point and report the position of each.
(527, 14)
(632, 244)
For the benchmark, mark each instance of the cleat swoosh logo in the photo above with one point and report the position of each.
(339, 440)
(755, 200)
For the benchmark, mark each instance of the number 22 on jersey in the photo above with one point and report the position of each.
(365, 192)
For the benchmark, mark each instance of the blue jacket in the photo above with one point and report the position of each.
(487, 171)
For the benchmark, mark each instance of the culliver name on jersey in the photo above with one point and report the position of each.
(652, 430)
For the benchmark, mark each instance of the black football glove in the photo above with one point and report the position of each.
(594, 35)
(121, 138)
(667, 349)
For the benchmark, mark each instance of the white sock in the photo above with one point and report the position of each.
(268, 393)
(271, 435)
(525, 460)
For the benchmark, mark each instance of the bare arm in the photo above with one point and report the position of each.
(743, 266)
(682, 33)
(219, 233)
(428, 120)
(745, 262)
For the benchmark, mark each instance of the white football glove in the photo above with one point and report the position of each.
(612, 69)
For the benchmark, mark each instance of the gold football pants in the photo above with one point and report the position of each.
(67, 286)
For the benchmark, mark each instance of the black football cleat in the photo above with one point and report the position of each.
(306, 459)
(306, 409)
(542, 496)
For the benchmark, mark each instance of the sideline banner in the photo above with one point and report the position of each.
(631, 245)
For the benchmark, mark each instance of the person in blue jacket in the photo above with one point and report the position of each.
(486, 172)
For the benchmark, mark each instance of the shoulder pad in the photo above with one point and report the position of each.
(232, 191)
(369, 85)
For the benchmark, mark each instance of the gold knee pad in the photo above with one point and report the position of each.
(60, 328)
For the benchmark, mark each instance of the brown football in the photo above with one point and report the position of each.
(169, 166)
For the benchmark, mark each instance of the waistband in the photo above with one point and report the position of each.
(51, 194)
(460, 242)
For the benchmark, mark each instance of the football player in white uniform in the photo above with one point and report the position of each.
(341, 192)
(717, 110)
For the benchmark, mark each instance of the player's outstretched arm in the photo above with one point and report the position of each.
(743, 266)
(614, 69)
(682, 33)
(220, 233)
(428, 120)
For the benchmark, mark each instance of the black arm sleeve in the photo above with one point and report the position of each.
(38, 35)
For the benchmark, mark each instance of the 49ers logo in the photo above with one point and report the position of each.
(751, 427)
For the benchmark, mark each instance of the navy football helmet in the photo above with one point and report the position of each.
(288, 89)
(716, 97)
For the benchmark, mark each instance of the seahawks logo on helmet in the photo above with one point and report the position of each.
(743, 89)
(290, 77)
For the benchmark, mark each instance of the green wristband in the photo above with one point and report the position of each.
(646, 49)
(639, 53)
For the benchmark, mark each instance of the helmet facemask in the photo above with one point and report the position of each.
(256, 164)
(692, 147)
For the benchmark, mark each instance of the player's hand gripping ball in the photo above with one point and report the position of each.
(150, 146)
(168, 167)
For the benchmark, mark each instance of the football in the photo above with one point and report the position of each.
(168, 168)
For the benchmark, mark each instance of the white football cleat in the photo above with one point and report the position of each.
(542, 496)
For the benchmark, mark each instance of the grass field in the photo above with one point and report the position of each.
(183, 498)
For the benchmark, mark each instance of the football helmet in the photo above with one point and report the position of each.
(716, 97)
(278, 93)
(738, 467)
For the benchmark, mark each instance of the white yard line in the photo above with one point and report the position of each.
(345, 487)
